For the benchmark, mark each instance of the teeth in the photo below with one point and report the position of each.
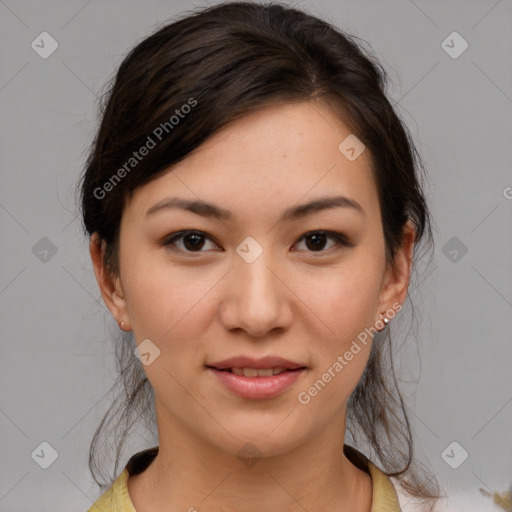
(253, 372)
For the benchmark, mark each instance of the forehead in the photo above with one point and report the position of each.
(269, 159)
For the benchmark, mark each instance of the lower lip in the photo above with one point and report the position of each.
(257, 387)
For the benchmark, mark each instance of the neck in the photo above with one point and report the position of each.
(188, 473)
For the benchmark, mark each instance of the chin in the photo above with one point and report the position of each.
(261, 439)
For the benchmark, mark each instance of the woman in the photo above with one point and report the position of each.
(254, 209)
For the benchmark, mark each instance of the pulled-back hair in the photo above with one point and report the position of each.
(222, 63)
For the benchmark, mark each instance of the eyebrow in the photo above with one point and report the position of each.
(295, 212)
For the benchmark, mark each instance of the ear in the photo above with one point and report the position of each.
(396, 281)
(109, 284)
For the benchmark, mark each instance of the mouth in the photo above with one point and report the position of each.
(257, 372)
(257, 383)
(248, 377)
(250, 366)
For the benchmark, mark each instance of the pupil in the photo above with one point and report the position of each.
(317, 238)
(198, 243)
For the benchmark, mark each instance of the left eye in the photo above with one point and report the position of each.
(194, 241)
(317, 240)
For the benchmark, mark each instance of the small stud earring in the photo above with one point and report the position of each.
(386, 321)
(122, 324)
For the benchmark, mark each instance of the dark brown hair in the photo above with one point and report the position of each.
(221, 63)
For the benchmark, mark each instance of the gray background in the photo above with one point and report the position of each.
(56, 362)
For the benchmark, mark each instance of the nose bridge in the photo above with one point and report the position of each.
(256, 281)
(258, 300)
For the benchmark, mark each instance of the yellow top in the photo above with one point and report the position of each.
(117, 499)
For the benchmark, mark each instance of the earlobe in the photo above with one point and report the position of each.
(396, 283)
(109, 284)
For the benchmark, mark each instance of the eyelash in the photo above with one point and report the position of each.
(338, 237)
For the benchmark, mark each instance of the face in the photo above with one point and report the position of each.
(256, 282)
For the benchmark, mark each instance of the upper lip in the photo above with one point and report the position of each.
(250, 362)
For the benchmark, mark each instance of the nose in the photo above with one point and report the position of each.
(256, 298)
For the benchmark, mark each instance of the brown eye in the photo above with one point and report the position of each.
(190, 241)
(193, 241)
(317, 240)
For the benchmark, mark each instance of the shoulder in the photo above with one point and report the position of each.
(452, 502)
(103, 503)
(116, 498)
(409, 503)
(384, 496)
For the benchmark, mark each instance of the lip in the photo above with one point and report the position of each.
(257, 387)
(250, 362)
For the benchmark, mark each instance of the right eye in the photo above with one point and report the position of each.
(189, 240)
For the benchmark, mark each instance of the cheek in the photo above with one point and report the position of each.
(344, 304)
(166, 303)
(344, 300)
(342, 350)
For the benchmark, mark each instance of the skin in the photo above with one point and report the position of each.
(303, 303)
